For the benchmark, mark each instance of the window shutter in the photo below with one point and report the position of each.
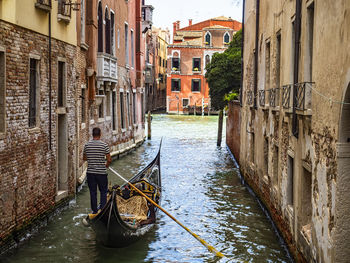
(199, 85)
(179, 84)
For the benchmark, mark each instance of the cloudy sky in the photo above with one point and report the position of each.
(166, 11)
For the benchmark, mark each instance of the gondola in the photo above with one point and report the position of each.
(127, 216)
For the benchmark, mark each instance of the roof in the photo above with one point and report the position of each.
(217, 27)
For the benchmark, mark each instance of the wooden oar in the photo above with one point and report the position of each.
(209, 247)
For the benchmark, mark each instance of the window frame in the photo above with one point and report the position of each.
(199, 85)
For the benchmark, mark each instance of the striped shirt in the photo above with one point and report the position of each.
(95, 152)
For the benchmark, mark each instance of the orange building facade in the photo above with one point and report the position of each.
(192, 49)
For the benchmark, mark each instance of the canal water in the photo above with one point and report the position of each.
(201, 188)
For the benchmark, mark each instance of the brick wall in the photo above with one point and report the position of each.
(27, 165)
(233, 126)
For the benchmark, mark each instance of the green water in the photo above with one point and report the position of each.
(201, 188)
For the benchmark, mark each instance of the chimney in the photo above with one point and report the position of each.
(177, 25)
(174, 29)
(189, 22)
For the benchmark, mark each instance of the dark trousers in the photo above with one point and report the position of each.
(101, 181)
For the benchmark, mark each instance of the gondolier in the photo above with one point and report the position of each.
(97, 154)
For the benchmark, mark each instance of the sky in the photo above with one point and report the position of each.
(166, 11)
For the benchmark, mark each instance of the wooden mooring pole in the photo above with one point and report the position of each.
(221, 117)
(149, 120)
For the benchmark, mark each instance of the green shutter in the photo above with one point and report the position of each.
(200, 87)
(180, 85)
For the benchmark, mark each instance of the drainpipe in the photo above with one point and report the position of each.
(242, 50)
(297, 28)
(50, 85)
(257, 10)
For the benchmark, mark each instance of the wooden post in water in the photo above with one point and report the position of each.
(221, 117)
(149, 120)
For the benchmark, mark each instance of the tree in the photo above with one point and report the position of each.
(224, 72)
(224, 76)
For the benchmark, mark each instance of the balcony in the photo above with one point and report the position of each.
(274, 97)
(106, 67)
(303, 96)
(64, 10)
(147, 13)
(262, 98)
(286, 92)
(43, 5)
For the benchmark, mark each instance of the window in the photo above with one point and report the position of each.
(61, 89)
(118, 40)
(2, 92)
(101, 106)
(196, 85)
(185, 102)
(207, 60)
(266, 156)
(114, 122)
(176, 85)
(290, 180)
(108, 103)
(107, 32)
(33, 92)
(126, 44)
(275, 161)
(310, 41)
(175, 64)
(82, 21)
(226, 38)
(112, 34)
(134, 107)
(132, 48)
(122, 110)
(306, 204)
(278, 62)
(208, 39)
(128, 107)
(267, 65)
(83, 106)
(100, 28)
(196, 64)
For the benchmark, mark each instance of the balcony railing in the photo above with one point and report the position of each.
(249, 97)
(262, 98)
(286, 92)
(64, 10)
(106, 67)
(43, 4)
(274, 97)
(303, 95)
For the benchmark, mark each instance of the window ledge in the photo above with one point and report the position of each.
(108, 118)
(115, 132)
(92, 122)
(63, 18)
(307, 112)
(195, 91)
(123, 130)
(276, 108)
(100, 120)
(34, 130)
(84, 46)
(175, 91)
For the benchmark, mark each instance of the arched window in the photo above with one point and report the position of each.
(107, 33)
(226, 38)
(208, 38)
(207, 60)
(100, 28)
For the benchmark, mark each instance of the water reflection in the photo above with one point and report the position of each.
(201, 189)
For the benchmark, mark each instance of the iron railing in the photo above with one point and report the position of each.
(274, 97)
(286, 91)
(303, 95)
(262, 98)
(249, 97)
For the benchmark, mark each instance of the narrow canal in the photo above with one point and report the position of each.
(201, 188)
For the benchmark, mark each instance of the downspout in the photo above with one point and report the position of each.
(50, 85)
(297, 29)
(256, 51)
(242, 62)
